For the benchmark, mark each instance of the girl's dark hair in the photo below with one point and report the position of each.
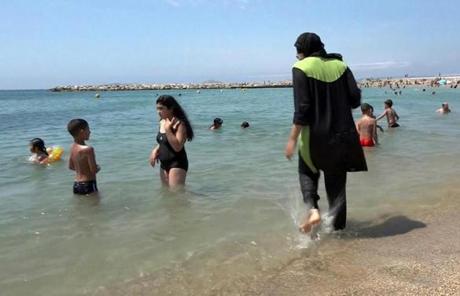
(171, 103)
(38, 143)
(389, 102)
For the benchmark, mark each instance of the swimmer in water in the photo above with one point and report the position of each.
(390, 113)
(38, 150)
(174, 130)
(82, 158)
(367, 127)
(217, 124)
(245, 124)
(380, 128)
(444, 108)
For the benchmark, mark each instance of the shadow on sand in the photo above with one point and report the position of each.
(391, 226)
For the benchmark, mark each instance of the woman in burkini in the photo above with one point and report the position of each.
(175, 129)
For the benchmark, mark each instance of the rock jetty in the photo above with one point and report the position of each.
(167, 86)
(393, 83)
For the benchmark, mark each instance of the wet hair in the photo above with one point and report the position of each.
(177, 111)
(38, 143)
(245, 124)
(218, 121)
(389, 103)
(76, 125)
(365, 107)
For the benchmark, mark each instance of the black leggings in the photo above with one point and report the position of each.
(335, 189)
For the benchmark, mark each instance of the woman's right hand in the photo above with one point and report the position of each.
(290, 148)
(153, 159)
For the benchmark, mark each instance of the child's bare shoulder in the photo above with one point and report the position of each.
(86, 149)
(82, 149)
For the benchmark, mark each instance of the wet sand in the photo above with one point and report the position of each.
(401, 255)
(406, 253)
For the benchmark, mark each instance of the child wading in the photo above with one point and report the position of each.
(175, 129)
(390, 113)
(82, 158)
(367, 127)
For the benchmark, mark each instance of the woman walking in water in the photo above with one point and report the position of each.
(325, 91)
(175, 129)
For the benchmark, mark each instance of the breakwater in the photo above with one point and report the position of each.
(166, 86)
(393, 83)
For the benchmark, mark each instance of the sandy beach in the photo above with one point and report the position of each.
(402, 253)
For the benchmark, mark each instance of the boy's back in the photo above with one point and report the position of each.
(82, 160)
(366, 127)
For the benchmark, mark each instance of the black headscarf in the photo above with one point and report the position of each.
(311, 46)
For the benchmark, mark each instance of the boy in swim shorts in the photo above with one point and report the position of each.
(82, 158)
(367, 127)
(390, 113)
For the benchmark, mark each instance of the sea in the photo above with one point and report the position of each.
(237, 218)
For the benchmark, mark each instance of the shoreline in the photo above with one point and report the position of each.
(405, 252)
(447, 81)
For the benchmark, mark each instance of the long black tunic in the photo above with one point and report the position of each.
(325, 92)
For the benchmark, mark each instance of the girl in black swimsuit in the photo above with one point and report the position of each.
(175, 130)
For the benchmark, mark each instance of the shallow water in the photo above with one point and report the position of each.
(238, 215)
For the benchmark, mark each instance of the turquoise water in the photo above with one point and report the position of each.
(242, 202)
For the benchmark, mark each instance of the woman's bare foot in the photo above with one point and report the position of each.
(311, 220)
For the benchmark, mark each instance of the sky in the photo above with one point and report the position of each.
(46, 43)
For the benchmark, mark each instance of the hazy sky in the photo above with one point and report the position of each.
(44, 43)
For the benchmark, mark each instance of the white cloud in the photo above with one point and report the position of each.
(380, 65)
(242, 4)
(286, 75)
(174, 3)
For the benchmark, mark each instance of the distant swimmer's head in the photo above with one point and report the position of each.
(216, 124)
(37, 145)
(388, 103)
(168, 108)
(366, 109)
(79, 129)
(245, 124)
(308, 44)
(445, 107)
